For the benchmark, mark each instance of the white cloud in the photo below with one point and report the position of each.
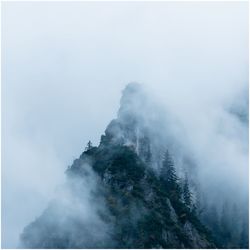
(64, 65)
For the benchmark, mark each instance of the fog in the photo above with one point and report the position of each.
(64, 66)
(73, 213)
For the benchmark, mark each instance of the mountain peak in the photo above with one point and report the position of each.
(132, 100)
(132, 87)
(114, 198)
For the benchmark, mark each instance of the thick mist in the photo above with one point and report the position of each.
(210, 144)
(64, 66)
(74, 213)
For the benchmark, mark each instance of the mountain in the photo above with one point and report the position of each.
(125, 193)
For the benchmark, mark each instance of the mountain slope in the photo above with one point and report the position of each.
(115, 197)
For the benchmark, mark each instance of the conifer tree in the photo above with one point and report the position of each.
(168, 170)
(187, 196)
(89, 146)
(168, 174)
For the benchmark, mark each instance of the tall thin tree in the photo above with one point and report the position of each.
(187, 195)
(89, 146)
(168, 174)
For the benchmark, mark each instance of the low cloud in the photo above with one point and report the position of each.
(62, 78)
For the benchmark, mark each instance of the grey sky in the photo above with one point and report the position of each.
(64, 66)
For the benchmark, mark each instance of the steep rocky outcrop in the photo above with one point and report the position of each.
(116, 196)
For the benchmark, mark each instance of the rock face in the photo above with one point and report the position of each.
(115, 198)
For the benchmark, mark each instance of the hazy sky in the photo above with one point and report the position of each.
(64, 65)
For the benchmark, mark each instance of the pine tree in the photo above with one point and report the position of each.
(168, 174)
(187, 195)
(89, 146)
(168, 171)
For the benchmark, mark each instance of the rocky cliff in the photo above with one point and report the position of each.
(125, 193)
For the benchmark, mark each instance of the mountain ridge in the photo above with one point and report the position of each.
(135, 197)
